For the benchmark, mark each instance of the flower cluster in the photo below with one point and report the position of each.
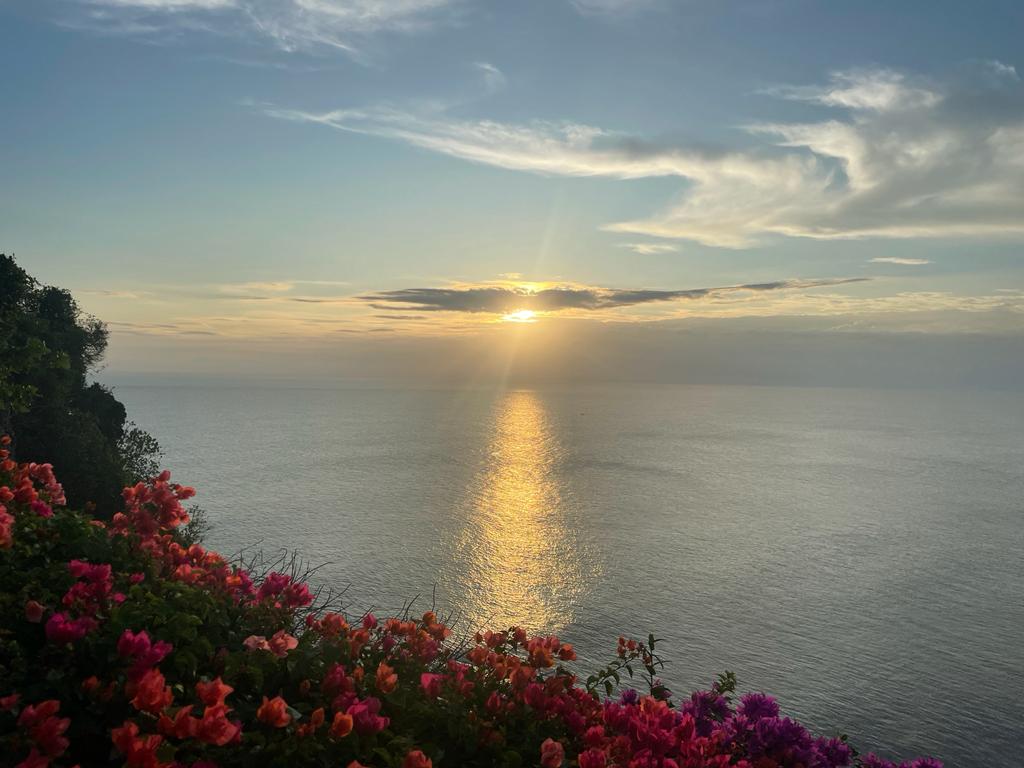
(125, 646)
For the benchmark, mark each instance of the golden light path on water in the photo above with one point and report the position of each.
(523, 564)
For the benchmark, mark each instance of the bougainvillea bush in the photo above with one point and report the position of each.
(120, 645)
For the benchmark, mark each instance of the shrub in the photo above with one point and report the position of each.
(122, 645)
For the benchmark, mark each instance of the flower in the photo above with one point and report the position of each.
(281, 643)
(215, 728)
(755, 706)
(431, 684)
(416, 759)
(552, 754)
(139, 752)
(274, 712)
(366, 717)
(213, 693)
(34, 611)
(256, 643)
(41, 508)
(341, 726)
(151, 693)
(62, 629)
(6, 528)
(387, 679)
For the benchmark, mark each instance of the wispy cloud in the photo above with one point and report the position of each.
(900, 159)
(650, 249)
(494, 78)
(899, 260)
(500, 299)
(611, 7)
(288, 25)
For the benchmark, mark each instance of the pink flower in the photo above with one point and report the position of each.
(256, 643)
(61, 629)
(41, 508)
(133, 644)
(281, 643)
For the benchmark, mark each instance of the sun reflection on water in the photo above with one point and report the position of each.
(523, 563)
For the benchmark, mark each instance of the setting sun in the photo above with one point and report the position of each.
(521, 316)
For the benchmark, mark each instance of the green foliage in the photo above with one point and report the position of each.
(48, 347)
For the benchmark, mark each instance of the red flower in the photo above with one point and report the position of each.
(183, 726)
(416, 759)
(138, 752)
(431, 684)
(592, 758)
(6, 527)
(274, 712)
(8, 703)
(34, 611)
(152, 694)
(552, 754)
(49, 735)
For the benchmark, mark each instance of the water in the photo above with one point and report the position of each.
(857, 553)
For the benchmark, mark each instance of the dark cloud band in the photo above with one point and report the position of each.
(502, 299)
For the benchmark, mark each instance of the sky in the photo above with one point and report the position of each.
(467, 192)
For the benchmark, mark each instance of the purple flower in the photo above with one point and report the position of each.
(755, 706)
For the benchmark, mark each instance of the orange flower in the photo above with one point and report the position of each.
(274, 712)
(342, 725)
(316, 719)
(151, 694)
(387, 679)
(214, 692)
(215, 728)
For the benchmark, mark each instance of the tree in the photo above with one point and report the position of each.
(48, 348)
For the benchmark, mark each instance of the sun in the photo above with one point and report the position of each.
(520, 316)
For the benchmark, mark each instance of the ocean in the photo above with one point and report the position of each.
(857, 553)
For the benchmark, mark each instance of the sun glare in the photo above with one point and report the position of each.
(520, 316)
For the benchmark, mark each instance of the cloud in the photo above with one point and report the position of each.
(899, 260)
(878, 90)
(899, 158)
(649, 249)
(501, 299)
(288, 25)
(611, 7)
(494, 78)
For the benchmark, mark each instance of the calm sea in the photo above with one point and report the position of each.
(858, 553)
